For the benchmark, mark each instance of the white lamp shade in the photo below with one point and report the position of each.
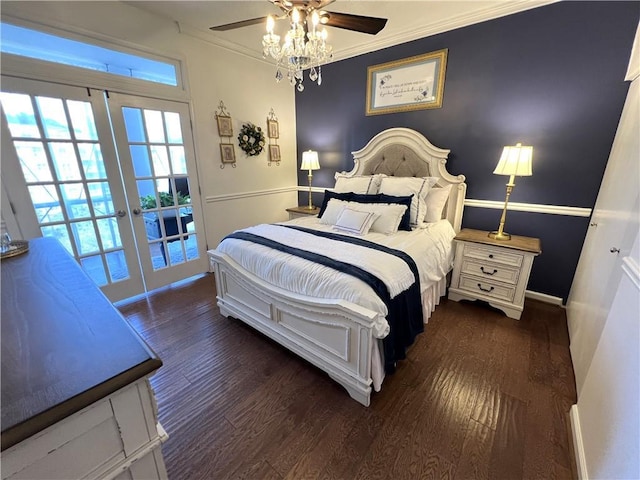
(310, 160)
(515, 160)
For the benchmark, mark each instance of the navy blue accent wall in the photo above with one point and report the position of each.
(551, 77)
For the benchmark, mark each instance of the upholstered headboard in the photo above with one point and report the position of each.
(406, 153)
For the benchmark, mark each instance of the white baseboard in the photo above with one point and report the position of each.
(578, 447)
(543, 297)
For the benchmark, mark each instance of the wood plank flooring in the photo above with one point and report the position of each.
(480, 396)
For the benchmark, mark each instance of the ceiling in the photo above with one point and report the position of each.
(407, 20)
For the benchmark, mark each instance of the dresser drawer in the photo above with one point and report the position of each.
(493, 254)
(487, 288)
(492, 271)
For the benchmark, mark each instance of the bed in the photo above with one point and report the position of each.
(335, 320)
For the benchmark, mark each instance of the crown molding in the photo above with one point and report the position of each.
(464, 20)
(186, 29)
(501, 10)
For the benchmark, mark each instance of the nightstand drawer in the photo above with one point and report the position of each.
(487, 288)
(491, 271)
(493, 254)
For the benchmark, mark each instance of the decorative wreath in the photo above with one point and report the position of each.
(251, 139)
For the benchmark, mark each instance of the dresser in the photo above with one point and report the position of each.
(76, 398)
(492, 270)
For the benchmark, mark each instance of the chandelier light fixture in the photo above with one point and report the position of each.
(304, 48)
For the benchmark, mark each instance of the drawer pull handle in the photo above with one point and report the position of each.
(488, 273)
(485, 289)
(491, 255)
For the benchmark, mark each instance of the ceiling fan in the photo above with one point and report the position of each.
(356, 23)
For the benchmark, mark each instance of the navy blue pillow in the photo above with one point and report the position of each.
(328, 195)
(376, 198)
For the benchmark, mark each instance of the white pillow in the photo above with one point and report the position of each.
(363, 184)
(417, 186)
(353, 221)
(333, 211)
(387, 222)
(389, 218)
(436, 200)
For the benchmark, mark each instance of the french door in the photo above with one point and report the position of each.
(73, 167)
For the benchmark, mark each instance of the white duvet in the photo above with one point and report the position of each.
(430, 248)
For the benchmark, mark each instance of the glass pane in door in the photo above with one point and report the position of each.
(162, 185)
(56, 143)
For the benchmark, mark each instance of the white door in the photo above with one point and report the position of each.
(112, 176)
(61, 174)
(614, 226)
(157, 159)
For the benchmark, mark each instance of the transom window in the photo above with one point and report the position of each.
(26, 42)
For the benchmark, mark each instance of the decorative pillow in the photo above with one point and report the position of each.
(328, 195)
(436, 200)
(379, 198)
(389, 215)
(349, 197)
(356, 222)
(363, 184)
(405, 221)
(387, 222)
(332, 211)
(418, 187)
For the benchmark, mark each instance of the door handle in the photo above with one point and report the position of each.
(121, 213)
(614, 250)
(136, 211)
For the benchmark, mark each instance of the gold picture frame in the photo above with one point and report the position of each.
(273, 129)
(225, 126)
(227, 153)
(274, 153)
(413, 83)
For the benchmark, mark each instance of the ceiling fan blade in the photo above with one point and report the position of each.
(358, 23)
(243, 23)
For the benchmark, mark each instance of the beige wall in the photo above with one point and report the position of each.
(232, 197)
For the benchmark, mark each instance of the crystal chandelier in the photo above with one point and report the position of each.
(303, 48)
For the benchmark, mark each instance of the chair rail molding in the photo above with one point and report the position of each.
(530, 207)
(256, 193)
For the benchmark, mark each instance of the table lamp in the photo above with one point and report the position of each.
(310, 162)
(515, 161)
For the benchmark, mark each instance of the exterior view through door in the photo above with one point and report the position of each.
(129, 211)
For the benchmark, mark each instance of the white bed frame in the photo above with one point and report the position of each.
(334, 335)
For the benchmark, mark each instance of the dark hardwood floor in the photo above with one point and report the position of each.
(479, 396)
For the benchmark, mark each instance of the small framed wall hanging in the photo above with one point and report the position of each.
(273, 132)
(274, 154)
(225, 129)
(413, 83)
(272, 128)
(228, 153)
(225, 126)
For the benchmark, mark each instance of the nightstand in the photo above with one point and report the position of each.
(296, 212)
(492, 270)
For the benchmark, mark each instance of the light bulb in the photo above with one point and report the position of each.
(270, 23)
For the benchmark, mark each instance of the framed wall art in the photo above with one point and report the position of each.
(274, 153)
(225, 126)
(273, 129)
(227, 153)
(413, 83)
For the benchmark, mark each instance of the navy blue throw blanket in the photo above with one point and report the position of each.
(405, 310)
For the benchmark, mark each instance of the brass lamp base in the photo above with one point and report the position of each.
(500, 236)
